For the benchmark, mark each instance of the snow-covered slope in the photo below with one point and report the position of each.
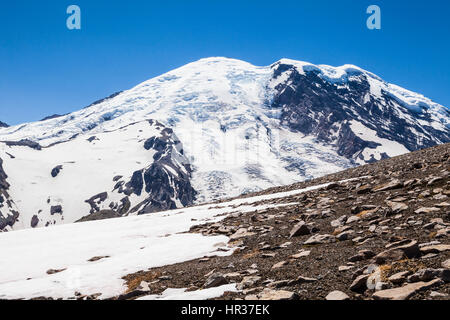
(243, 128)
(119, 247)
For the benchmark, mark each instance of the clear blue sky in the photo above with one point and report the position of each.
(46, 68)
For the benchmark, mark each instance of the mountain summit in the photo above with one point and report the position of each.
(211, 129)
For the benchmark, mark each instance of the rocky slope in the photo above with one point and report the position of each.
(351, 107)
(381, 232)
(242, 129)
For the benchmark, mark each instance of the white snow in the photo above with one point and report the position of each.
(182, 294)
(131, 243)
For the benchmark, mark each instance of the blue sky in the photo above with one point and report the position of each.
(46, 68)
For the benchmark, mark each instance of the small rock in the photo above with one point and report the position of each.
(399, 277)
(339, 222)
(320, 239)
(393, 184)
(248, 282)
(337, 295)
(363, 189)
(301, 254)
(278, 284)
(300, 229)
(241, 233)
(346, 235)
(443, 205)
(353, 219)
(362, 255)
(434, 180)
(215, 280)
(53, 271)
(398, 252)
(279, 265)
(381, 286)
(359, 284)
(434, 294)
(446, 264)
(430, 274)
(426, 210)
(131, 294)
(435, 248)
(345, 268)
(332, 185)
(302, 279)
(397, 207)
(269, 294)
(93, 259)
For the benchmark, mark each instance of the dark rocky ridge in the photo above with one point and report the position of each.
(3, 125)
(104, 99)
(53, 116)
(159, 180)
(24, 143)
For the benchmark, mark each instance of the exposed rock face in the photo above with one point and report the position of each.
(403, 293)
(56, 170)
(24, 143)
(3, 125)
(166, 180)
(8, 210)
(313, 105)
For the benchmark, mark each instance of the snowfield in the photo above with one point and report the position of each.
(128, 245)
(87, 170)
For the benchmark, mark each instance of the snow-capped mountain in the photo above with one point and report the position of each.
(219, 127)
(3, 125)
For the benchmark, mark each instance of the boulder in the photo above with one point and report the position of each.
(337, 296)
(320, 239)
(391, 185)
(435, 248)
(300, 229)
(399, 277)
(404, 293)
(360, 283)
(215, 280)
(430, 274)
